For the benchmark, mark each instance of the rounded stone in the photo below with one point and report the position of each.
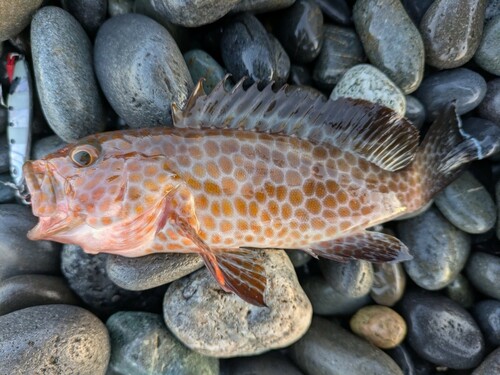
(497, 195)
(213, 322)
(142, 345)
(90, 13)
(300, 29)
(336, 10)
(490, 365)
(492, 9)
(300, 75)
(488, 54)
(16, 15)
(298, 258)
(141, 76)
(7, 194)
(261, 6)
(53, 339)
(462, 86)
(19, 292)
(282, 61)
(18, 254)
(409, 361)
(272, 363)
(367, 82)
(341, 50)
(415, 111)
(483, 271)
(490, 106)
(439, 249)
(451, 30)
(202, 65)
(66, 85)
(46, 145)
(441, 331)
(119, 7)
(351, 279)
(150, 271)
(389, 282)
(460, 291)
(4, 154)
(487, 314)
(416, 9)
(327, 349)
(393, 44)
(467, 204)
(379, 325)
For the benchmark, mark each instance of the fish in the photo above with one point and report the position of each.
(245, 170)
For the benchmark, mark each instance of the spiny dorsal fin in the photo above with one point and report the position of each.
(376, 133)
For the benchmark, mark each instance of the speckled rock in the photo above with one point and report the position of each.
(380, 325)
(336, 10)
(7, 194)
(328, 349)
(142, 345)
(441, 331)
(487, 314)
(439, 249)
(389, 282)
(367, 82)
(467, 204)
(266, 364)
(90, 13)
(341, 51)
(140, 76)
(451, 30)
(393, 44)
(19, 292)
(490, 106)
(53, 339)
(18, 254)
(492, 9)
(488, 53)
(483, 271)
(66, 85)
(150, 271)
(202, 65)
(460, 291)
(465, 87)
(260, 6)
(45, 146)
(415, 111)
(215, 323)
(490, 365)
(351, 279)
(16, 15)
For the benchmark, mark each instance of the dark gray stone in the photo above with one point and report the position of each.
(441, 331)
(150, 271)
(492, 9)
(261, 6)
(416, 9)
(439, 249)
(460, 291)
(393, 44)
(142, 345)
(341, 51)
(18, 254)
(483, 271)
(45, 146)
(488, 54)
(415, 111)
(3, 110)
(497, 195)
(465, 87)
(300, 30)
(140, 75)
(409, 362)
(337, 10)
(490, 365)
(90, 13)
(451, 30)
(487, 314)
(53, 339)
(490, 106)
(16, 15)
(298, 258)
(282, 61)
(300, 75)
(202, 65)
(66, 85)
(4, 154)
(7, 194)
(272, 363)
(467, 204)
(389, 282)
(351, 279)
(119, 7)
(311, 91)
(19, 292)
(328, 349)
(485, 132)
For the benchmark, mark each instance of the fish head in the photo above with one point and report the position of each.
(89, 193)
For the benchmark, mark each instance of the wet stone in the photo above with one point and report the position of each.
(389, 282)
(336, 10)
(351, 279)
(416, 9)
(467, 204)
(150, 271)
(488, 53)
(409, 361)
(72, 110)
(451, 30)
(300, 75)
(7, 194)
(487, 314)
(118, 7)
(215, 323)
(53, 339)
(329, 349)
(441, 331)
(45, 146)
(327, 301)
(18, 254)
(490, 106)
(341, 51)
(272, 363)
(490, 365)
(19, 292)
(415, 111)
(439, 249)
(393, 44)
(16, 15)
(483, 271)
(260, 6)
(465, 87)
(379, 325)
(460, 291)
(300, 30)
(282, 61)
(90, 13)
(141, 344)
(140, 76)
(367, 82)
(486, 132)
(202, 65)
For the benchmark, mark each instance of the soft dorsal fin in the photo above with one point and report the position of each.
(375, 133)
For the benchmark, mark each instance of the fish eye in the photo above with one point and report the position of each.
(84, 155)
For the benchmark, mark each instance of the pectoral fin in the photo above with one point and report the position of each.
(371, 246)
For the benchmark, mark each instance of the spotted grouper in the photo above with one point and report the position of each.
(246, 170)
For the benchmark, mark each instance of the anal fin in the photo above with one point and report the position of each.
(371, 246)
